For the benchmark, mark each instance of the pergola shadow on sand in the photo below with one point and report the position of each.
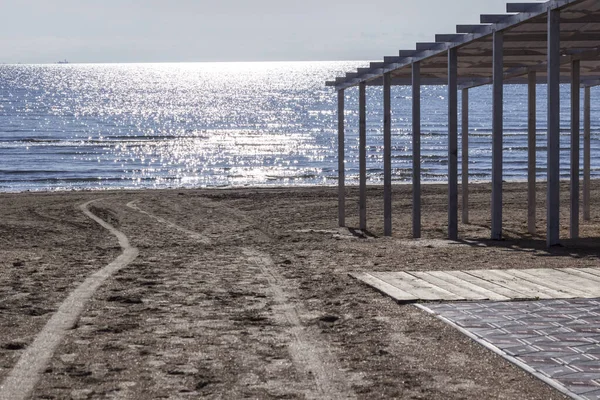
(535, 43)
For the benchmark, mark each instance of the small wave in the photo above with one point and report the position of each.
(36, 140)
(89, 179)
(29, 171)
(127, 138)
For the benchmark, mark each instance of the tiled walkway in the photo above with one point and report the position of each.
(557, 340)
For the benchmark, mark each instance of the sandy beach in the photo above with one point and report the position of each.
(245, 293)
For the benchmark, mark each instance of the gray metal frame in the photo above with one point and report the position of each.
(535, 43)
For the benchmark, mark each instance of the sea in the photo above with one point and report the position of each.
(188, 125)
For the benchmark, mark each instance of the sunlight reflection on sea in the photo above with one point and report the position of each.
(225, 124)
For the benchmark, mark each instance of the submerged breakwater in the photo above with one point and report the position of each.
(94, 126)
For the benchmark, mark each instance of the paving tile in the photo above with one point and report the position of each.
(499, 337)
(508, 324)
(595, 395)
(577, 322)
(558, 338)
(570, 336)
(586, 328)
(559, 354)
(585, 376)
(589, 366)
(554, 330)
(519, 350)
(541, 339)
(523, 330)
(588, 349)
(539, 361)
(592, 320)
(488, 331)
(554, 372)
(578, 386)
(575, 359)
(557, 346)
(472, 324)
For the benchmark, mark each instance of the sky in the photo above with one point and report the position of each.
(97, 31)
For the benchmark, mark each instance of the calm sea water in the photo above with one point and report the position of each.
(232, 124)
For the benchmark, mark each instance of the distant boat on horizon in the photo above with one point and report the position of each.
(63, 61)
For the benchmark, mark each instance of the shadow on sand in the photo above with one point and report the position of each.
(517, 241)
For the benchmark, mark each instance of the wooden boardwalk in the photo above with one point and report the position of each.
(477, 285)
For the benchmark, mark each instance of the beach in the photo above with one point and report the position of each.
(245, 293)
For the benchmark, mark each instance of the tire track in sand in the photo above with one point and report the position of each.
(305, 351)
(22, 379)
(310, 358)
(201, 238)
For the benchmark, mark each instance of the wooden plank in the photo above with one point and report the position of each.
(418, 287)
(592, 271)
(362, 105)
(553, 291)
(463, 293)
(509, 281)
(485, 283)
(531, 152)
(390, 290)
(568, 281)
(495, 285)
(387, 156)
(497, 134)
(457, 281)
(539, 279)
(592, 274)
(588, 285)
(583, 274)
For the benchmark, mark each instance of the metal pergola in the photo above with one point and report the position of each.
(550, 43)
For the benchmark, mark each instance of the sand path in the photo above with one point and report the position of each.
(194, 235)
(25, 374)
(311, 359)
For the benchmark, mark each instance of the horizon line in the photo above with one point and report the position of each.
(178, 62)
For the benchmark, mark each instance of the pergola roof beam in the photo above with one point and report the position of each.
(472, 82)
(407, 53)
(586, 19)
(466, 53)
(393, 59)
(430, 46)
(590, 82)
(470, 28)
(521, 7)
(565, 37)
(494, 18)
(452, 37)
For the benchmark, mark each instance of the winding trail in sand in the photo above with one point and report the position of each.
(201, 238)
(21, 381)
